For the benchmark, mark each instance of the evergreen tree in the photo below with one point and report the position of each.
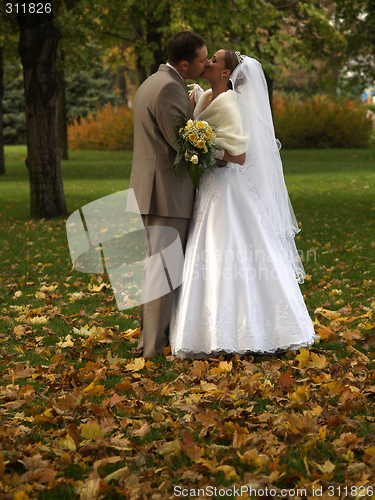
(14, 106)
(87, 91)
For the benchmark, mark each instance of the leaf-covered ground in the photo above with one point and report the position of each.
(84, 417)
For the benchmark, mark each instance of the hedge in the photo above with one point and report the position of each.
(321, 122)
(314, 123)
(112, 129)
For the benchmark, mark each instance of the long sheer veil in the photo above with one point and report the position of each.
(263, 168)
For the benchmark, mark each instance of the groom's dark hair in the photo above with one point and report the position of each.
(183, 47)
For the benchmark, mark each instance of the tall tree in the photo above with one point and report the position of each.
(7, 50)
(2, 158)
(274, 31)
(356, 22)
(37, 48)
(144, 26)
(77, 48)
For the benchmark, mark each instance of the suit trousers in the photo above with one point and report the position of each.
(155, 315)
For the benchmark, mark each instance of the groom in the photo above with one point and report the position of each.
(162, 199)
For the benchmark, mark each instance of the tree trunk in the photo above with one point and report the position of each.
(371, 21)
(154, 29)
(270, 89)
(121, 81)
(37, 48)
(2, 159)
(141, 71)
(61, 124)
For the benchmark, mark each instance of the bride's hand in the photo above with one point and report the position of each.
(240, 159)
(195, 92)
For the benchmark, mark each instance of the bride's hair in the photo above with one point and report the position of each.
(231, 63)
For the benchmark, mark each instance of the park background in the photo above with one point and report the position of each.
(84, 417)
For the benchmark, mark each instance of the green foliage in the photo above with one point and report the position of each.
(321, 122)
(86, 91)
(112, 129)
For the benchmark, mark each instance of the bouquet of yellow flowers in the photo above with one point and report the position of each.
(195, 151)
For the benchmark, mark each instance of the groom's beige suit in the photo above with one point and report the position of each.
(162, 199)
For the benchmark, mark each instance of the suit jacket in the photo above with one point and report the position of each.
(158, 101)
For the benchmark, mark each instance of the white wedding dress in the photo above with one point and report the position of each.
(239, 292)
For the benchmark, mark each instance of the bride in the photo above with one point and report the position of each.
(240, 290)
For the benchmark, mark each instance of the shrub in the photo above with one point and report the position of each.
(372, 139)
(112, 129)
(321, 122)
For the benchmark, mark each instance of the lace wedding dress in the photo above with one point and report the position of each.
(239, 292)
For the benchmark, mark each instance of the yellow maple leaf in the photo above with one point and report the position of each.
(94, 390)
(327, 467)
(68, 443)
(67, 342)
(19, 331)
(38, 320)
(229, 472)
(131, 334)
(91, 431)
(225, 366)
(145, 429)
(335, 387)
(351, 334)
(333, 315)
(170, 447)
(157, 416)
(317, 361)
(322, 433)
(115, 360)
(302, 394)
(252, 457)
(97, 288)
(210, 464)
(23, 371)
(20, 495)
(136, 365)
(90, 489)
(49, 288)
(324, 332)
(303, 357)
(348, 456)
(207, 386)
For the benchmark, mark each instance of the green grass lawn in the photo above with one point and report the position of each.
(101, 422)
